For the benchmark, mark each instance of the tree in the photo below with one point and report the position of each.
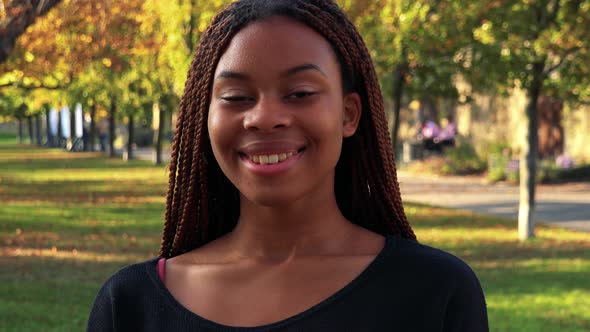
(15, 17)
(543, 48)
(413, 44)
(175, 27)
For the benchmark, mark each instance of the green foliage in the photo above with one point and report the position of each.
(579, 173)
(548, 171)
(511, 37)
(14, 104)
(496, 174)
(462, 159)
(499, 156)
(551, 173)
(420, 36)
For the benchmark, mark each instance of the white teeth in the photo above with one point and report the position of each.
(272, 158)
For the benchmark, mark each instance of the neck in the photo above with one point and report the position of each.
(299, 229)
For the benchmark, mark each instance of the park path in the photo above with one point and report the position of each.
(565, 205)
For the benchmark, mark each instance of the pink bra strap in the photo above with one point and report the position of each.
(162, 269)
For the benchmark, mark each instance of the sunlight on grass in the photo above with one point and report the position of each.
(565, 310)
(70, 220)
(74, 255)
(26, 155)
(538, 265)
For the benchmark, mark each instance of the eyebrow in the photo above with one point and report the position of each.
(228, 74)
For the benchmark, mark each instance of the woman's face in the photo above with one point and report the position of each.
(278, 115)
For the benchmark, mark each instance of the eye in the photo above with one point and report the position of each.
(236, 99)
(300, 95)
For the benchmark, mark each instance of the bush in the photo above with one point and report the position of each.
(504, 169)
(500, 165)
(547, 171)
(461, 160)
(496, 175)
(550, 172)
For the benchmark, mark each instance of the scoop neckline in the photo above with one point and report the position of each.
(151, 268)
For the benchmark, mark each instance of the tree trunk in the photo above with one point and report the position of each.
(30, 129)
(130, 133)
(112, 113)
(38, 125)
(60, 134)
(191, 27)
(528, 158)
(20, 131)
(158, 133)
(72, 128)
(92, 133)
(398, 86)
(50, 137)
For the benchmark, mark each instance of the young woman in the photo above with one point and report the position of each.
(283, 211)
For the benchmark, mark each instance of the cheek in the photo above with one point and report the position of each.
(217, 136)
(329, 120)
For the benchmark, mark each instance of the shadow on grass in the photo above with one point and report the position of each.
(25, 157)
(92, 191)
(82, 161)
(62, 291)
(428, 216)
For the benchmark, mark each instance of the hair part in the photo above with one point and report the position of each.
(202, 204)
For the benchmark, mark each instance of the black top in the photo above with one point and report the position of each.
(407, 287)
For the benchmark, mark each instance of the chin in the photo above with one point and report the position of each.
(271, 199)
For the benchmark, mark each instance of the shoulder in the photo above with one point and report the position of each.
(408, 263)
(123, 298)
(432, 280)
(419, 257)
(130, 279)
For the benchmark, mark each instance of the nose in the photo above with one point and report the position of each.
(269, 113)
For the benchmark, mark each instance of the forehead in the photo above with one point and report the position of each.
(277, 43)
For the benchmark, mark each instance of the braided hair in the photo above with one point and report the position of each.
(202, 204)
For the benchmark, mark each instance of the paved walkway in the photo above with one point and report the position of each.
(565, 205)
(148, 154)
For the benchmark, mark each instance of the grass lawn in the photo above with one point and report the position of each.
(69, 220)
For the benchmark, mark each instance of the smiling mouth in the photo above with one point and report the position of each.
(270, 159)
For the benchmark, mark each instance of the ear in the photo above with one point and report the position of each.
(352, 114)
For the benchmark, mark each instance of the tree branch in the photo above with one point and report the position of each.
(552, 15)
(20, 15)
(561, 62)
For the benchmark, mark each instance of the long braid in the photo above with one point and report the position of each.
(186, 212)
(166, 243)
(388, 184)
(202, 204)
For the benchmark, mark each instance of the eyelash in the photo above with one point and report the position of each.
(236, 99)
(242, 99)
(301, 94)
